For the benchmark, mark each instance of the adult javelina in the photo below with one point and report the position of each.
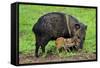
(53, 25)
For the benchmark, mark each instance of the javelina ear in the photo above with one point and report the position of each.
(77, 26)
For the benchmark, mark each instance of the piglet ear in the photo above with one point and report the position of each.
(77, 26)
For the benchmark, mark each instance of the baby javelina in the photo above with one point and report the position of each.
(59, 42)
(70, 42)
(67, 43)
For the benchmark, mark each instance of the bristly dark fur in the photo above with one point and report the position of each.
(53, 25)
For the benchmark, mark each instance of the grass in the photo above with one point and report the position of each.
(29, 14)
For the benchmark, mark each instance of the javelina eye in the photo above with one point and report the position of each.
(77, 26)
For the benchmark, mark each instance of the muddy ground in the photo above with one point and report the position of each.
(29, 58)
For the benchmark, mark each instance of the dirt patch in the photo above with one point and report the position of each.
(25, 59)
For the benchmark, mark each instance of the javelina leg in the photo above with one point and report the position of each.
(57, 51)
(37, 46)
(81, 44)
(43, 49)
(65, 49)
(68, 50)
(36, 50)
(44, 41)
(76, 47)
(41, 41)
